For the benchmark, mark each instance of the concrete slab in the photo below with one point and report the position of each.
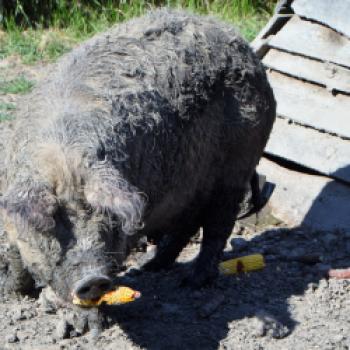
(314, 202)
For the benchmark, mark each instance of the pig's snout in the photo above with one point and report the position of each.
(92, 287)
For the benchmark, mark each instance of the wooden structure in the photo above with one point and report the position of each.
(306, 50)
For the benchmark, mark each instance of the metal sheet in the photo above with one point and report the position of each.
(333, 13)
(311, 105)
(313, 40)
(332, 76)
(328, 154)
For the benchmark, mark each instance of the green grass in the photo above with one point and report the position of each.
(19, 85)
(4, 109)
(72, 24)
(7, 106)
(5, 117)
(35, 45)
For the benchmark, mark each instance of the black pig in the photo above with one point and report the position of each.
(152, 128)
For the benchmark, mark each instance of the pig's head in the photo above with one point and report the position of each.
(72, 221)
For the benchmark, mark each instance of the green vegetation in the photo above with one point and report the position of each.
(4, 109)
(25, 23)
(34, 45)
(19, 85)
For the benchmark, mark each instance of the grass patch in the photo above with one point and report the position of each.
(7, 106)
(35, 45)
(4, 109)
(71, 22)
(5, 117)
(19, 85)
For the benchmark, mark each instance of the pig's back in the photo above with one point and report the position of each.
(178, 97)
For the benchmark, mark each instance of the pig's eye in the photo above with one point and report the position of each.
(101, 153)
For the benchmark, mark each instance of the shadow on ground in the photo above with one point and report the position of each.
(171, 317)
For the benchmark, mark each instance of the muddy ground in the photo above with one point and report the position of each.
(290, 304)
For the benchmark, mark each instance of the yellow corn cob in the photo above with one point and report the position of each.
(121, 295)
(243, 264)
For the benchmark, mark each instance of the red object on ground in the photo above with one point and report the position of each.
(339, 273)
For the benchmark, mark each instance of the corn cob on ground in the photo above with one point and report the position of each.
(121, 295)
(243, 264)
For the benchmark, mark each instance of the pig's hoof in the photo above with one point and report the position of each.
(77, 321)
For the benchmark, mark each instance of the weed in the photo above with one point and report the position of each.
(71, 21)
(5, 111)
(19, 85)
(5, 117)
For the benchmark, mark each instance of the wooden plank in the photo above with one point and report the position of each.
(311, 105)
(311, 201)
(313, 40)
(260, 43)
(333, 13)
(325, 153)
(332, 76)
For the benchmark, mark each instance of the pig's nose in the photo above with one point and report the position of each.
(92, 287)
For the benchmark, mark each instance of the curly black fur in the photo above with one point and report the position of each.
(158, 125)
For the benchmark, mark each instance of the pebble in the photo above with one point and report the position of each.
(18, 315)
(12, 338)
(271, 326)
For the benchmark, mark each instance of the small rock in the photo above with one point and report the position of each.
(29, 314)
(271, 326)
(12, 338)
(313, 286)
(18, 315)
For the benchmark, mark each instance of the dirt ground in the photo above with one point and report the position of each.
(290, 304)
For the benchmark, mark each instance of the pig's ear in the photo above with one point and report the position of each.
(119, 198)
(30, 204)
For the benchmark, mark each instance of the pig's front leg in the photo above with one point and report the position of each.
(14, 277)
(76, 321)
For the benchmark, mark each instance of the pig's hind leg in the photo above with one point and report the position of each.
(172, 242)
(218, 219)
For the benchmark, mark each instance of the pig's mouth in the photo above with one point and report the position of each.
(92, 287)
